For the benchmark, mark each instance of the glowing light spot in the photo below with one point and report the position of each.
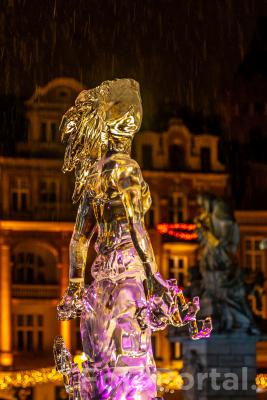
(180, 231)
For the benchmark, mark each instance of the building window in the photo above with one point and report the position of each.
(48, 132)
(44, 132)
(20, 194)
(155, 346)
(176, 157)
(178, 269)
(49, 191)
(63, 94)
(177, 208)
(27, 130)
(54, 131)
(40, 333)
(147, 156)
(254, 256)
(133, 151)
(205, 159)
(28, 332)
(176, 353)
(164, 209)
(29, 268)
(150, 216)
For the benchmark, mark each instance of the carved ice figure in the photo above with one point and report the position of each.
(128, 298)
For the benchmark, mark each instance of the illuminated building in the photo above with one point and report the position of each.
(244, 112)
(37, 222)
(36, 226)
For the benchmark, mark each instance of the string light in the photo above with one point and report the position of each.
(261, 381)
(28, 378)
(168, 381)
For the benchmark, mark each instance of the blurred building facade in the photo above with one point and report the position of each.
(244, 112)
(37, 218)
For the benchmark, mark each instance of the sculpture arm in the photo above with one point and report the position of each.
(82, 234)
(71, 304)
(146, 197)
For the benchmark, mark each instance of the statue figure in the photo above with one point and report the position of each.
(128, 298)
(192, 367)
(223, 291)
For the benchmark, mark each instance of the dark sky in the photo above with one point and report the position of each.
(182, 51)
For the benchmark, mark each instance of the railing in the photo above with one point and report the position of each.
(35, 291)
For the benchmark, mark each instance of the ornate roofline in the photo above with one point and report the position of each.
(54, 83)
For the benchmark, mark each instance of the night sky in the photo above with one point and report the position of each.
(181, 51)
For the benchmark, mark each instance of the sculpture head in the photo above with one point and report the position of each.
(205, 202)
(104, 118)
(222, 210)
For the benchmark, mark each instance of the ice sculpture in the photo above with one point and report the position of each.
(128, 298)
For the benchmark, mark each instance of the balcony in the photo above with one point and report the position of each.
(35, 291)
(53, 212)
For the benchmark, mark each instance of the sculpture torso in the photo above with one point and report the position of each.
(114, 242)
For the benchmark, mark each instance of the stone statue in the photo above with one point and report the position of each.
(128, 298)
(192, 367)
(222, 288)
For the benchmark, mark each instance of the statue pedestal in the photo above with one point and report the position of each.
(222, 367)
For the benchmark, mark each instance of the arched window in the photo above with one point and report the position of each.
(28, 268)
(33, 264)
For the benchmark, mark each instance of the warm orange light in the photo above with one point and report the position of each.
(65, 331)
(5, 301)
(181, 231)
(6, 359)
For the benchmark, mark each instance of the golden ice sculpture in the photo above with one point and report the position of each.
(128, 298)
